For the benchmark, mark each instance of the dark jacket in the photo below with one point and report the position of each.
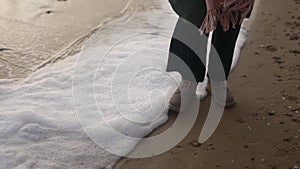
(192, 10)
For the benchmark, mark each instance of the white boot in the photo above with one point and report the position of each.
(183, 95)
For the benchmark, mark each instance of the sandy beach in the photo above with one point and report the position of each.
(262, 131)
(42, 42)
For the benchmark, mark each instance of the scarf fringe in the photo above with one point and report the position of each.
(232, 13)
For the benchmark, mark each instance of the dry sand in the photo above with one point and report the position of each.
(262, 131)
(34, 33)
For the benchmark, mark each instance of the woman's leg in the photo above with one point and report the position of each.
(224, 43)
(183, 51)
(195, 62)
(189, 57)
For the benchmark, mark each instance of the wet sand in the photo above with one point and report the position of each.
(36, 33)
(262, 131)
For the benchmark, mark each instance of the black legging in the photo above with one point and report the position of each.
(224, 43)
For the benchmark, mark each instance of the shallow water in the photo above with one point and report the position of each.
(35, 31)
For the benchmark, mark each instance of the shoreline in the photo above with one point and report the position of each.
(75, 47)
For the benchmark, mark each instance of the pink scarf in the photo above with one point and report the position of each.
(226, 12)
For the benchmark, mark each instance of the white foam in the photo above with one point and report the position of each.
(38, 124)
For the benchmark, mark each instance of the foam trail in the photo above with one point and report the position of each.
(242, 38)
